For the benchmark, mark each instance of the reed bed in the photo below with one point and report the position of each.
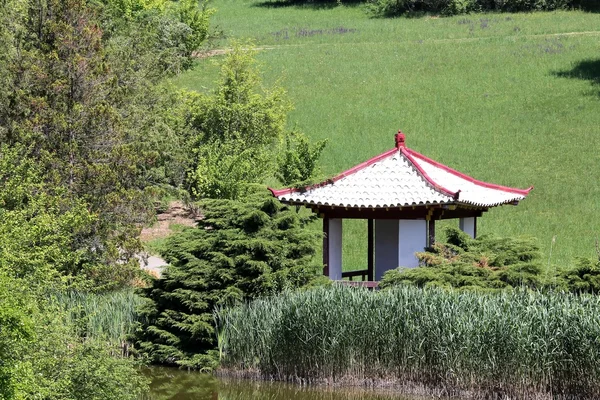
(111, 317)
(515, 344)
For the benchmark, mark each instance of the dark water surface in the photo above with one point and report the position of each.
(174, 384)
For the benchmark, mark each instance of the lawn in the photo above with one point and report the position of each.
(512, 99)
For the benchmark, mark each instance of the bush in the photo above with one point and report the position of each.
(60, 365)
(490, 263)
(44, 356)
(484, 263)
(240, 250)
(452, 7)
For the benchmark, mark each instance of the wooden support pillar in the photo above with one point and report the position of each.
(370, 250)
(386, 246)
(430, 232)
(325, 246)
(468, 226)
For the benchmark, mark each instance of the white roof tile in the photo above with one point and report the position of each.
(401, 177)
(469, 191)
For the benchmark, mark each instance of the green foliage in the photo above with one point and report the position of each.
(41, 228)
(197, 19)
(490, 263)
(584, 277)
(158, 41)
(453, 7)
(483, 263)
(495, 345)
(129, 9)
(43, 355)
(297, 162)
(16, 331)
(238, 128)
(61, 365)
(88, 140)
(240, 250)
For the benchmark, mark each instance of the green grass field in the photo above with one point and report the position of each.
(509, 98)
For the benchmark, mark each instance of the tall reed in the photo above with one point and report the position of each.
(514, 343)
(109, 316)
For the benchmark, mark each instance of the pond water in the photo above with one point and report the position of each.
(174, 384)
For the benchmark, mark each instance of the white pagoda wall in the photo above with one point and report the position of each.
(468, 226)
(412, 238)
(335, 248)
(396, 242)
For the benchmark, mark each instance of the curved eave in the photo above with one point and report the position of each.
(413, 156)
(513, 202)
(358, 206)
(298, 202)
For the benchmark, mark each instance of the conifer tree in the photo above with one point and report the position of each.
(239, 251)
(102, 135)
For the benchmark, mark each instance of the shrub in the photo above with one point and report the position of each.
(485, 263)
(240, 250)
(451, 7)
(490, 263)
(297, 162)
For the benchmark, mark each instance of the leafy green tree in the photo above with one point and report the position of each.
(157, 37)
(239, 251)
(297, 162)
(40, 225)
(237, 128)
(65, 119)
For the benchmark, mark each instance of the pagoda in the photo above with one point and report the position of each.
(401, 193)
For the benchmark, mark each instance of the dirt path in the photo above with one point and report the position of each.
(177, 214)
(220, 52)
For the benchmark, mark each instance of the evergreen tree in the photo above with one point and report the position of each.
(101, 135)
(239, 251)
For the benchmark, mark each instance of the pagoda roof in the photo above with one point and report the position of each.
(401, 177)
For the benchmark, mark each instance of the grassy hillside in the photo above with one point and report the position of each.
(509, 98)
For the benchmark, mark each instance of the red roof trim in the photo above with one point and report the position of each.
(336, 178)
(413, 153)
(407, 153)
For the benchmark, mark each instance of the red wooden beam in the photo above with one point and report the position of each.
(431, 232)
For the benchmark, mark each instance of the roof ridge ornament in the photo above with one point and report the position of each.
(400, 139)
